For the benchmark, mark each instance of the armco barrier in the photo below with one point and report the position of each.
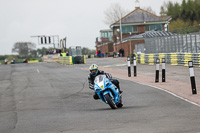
(174, 59)
(33, 61)
(142, 59)
(170, 58)
(161, 55)
(195, 59)
(138, 58)
(187, 57)
(199, 60)
(151, 59)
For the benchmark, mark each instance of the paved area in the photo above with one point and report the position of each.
(177, 77)
(55, 98)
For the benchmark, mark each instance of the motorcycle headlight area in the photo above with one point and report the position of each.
(102, 87)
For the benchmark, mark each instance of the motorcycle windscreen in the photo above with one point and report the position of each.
(99, 80)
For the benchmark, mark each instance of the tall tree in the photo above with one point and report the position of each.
(149, 9)
(23, 48)
(197, 9)
(183, 13)
(114, 13)
(86, 51)
(163, 9)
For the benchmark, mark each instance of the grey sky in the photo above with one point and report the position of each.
(78, 20)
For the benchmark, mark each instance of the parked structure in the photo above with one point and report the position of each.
(136, 22)
(105, 47)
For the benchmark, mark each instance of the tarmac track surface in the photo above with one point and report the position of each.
(54, 98)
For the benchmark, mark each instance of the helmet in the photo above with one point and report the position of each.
(94, 69)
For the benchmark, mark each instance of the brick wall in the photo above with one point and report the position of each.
(141, 29)
(104, 40)
(128, 46)
(106, 49)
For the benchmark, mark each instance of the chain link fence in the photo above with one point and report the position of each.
(179, 43)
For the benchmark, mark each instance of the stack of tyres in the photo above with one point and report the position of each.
(78, 60)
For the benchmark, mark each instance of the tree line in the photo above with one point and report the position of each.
(27, 50)
(183, 15)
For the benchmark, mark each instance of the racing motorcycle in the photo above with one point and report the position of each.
(107, 91)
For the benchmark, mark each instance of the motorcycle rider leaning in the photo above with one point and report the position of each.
(95, 72)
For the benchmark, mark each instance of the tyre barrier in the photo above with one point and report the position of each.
(65, 60)
(142, 59)
(70, 60)
(174, 59)
(170, 58)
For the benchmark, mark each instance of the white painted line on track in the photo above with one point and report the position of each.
(38, 71)
(106, 66)
(121, 65)
(165, 91)
(115, 65)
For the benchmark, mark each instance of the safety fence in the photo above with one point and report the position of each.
(188, 43)
(170, 58)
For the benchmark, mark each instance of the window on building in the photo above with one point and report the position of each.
(159, 27)
(127, 29)
(146, 27)
(110, 34)
(135, 29)
(152, 27)
(156, 26)
(104, 34)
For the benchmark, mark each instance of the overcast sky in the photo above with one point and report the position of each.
(78, 20)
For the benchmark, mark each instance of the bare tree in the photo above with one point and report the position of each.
(149, 9)
(23, 48)
(114, 13)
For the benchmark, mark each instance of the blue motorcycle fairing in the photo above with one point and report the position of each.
(104, 86)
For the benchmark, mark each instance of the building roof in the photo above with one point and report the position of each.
(108, 30)
(149, 34)
(141, 16)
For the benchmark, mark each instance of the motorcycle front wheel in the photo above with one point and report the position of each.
(110, 101)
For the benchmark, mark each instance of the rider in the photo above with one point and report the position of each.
(93, 73)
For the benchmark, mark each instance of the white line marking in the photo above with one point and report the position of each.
(106, 66)
(165, 91)
(38, 71)
(115, 65)
(121, 65)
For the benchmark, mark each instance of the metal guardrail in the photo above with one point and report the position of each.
(171, 58)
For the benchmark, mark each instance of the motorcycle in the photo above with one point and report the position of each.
(107, 92)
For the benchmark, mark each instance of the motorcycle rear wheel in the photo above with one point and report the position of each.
(110, 101)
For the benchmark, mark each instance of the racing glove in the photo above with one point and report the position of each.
(108, 75)
(91, 86)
